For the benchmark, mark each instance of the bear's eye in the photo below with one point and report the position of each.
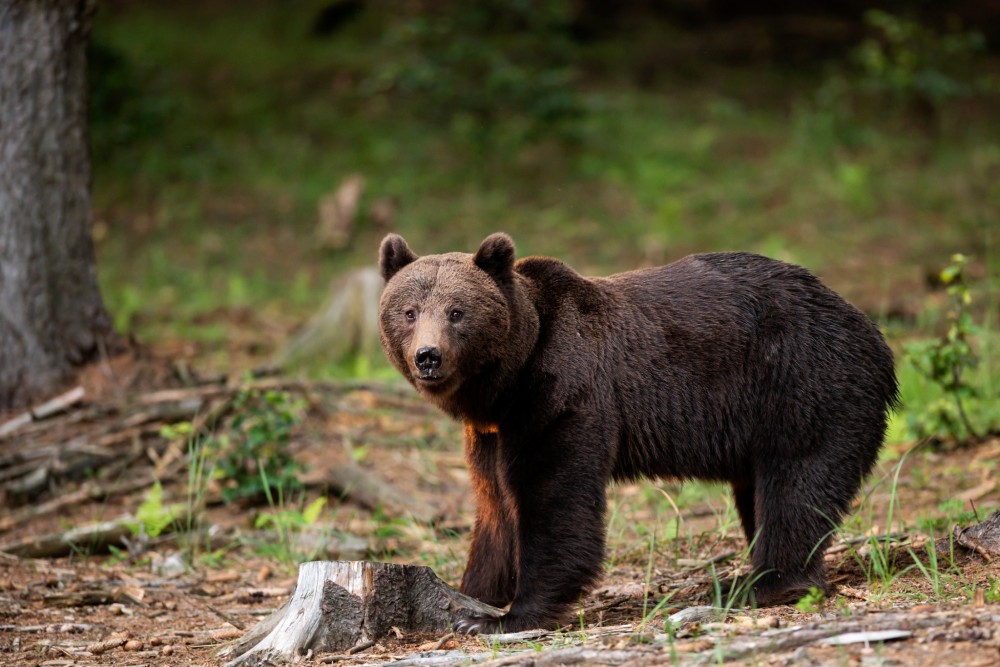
(410, 315)
(455, 315)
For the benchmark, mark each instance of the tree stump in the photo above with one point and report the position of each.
(338, 605)
(345, 326)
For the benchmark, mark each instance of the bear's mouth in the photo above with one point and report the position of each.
(432, 379)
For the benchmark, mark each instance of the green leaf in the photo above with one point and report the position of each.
(312, 511)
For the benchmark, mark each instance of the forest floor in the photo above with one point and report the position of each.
(217, 568)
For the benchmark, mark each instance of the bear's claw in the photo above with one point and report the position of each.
(468, 626)
(490, 625)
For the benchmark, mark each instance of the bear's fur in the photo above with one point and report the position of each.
(727, 366)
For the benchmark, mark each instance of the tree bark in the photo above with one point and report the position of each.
(52, 317)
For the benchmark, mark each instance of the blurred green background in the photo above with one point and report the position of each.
(861, 141)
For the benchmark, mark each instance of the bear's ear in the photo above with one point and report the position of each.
(496, 256)
(393, 255)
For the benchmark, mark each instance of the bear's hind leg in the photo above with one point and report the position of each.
(743, 498)
(799, 508)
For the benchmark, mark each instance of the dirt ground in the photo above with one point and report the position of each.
(175, 599)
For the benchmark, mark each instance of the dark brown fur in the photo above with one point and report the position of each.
(728, 366)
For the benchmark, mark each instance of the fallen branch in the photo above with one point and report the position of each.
(84, 493)
(365, 488)
(880, 628)
(574, 655)
(339, 605)
(50, 628)
(58, 404)
(43, 411)
(92, 538)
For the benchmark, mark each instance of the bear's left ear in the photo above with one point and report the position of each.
(496, 256)
(393, 255)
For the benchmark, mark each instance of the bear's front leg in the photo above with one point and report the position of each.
(490, 574)
(559, 492)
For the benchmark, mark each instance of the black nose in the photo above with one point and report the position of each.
(428, 358)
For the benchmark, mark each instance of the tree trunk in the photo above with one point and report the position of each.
(52, 317)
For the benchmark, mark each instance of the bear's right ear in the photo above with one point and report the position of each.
(496, 256)
(393, 255)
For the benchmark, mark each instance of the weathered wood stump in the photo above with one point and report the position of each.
(338, 605)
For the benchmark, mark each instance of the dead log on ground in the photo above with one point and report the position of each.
(91, 538)
(89, 491)
(983, 538)
(338, 605)
(367, 489)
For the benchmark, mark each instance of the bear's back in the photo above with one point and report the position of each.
(695, 360)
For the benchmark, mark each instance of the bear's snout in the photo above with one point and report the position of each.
(427, 360)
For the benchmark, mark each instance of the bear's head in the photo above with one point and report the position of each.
(444, 319)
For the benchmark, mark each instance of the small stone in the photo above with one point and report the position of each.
(133, 645)
(169, 566)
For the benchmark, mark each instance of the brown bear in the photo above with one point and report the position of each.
(727, 366)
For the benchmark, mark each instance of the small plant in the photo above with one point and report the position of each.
(931, 569)
(286, 521)
(992, 594)
(649, 614)
(200, 471)
(254, 460)
(812, 602)
(670, 628)
(735, 592)
(947, 361)
(880, 566)
(176, 431)
(188, 515)
(153, 517)
(952, 512)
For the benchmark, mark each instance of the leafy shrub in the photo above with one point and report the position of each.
(479, 64)
(904, 62)
(947, 361)
(253, 457)
(915, 63)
